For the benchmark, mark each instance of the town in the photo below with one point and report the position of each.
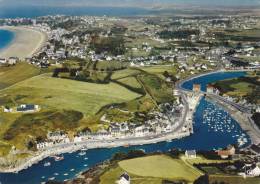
(107, 82)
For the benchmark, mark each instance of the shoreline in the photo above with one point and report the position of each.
(71, 147)
(178, 133)
(26, 42)
(93, 144)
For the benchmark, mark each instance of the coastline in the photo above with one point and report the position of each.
(178, 133)
(26, 42)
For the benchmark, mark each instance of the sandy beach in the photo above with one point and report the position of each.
(27, 41)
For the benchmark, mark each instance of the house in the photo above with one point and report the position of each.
(8, 109)
(3, 61)
(13, 60)
(190, 154)
(27, 108)
(230, 151)
(210, 89)
(124, 179)
(254, 172)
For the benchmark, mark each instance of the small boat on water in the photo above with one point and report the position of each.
(58, 158)
(46, 164)
(84, 149)
(52, 178)
(43, 177)
(85, 165)
(56, 174)
(86, 158)
(82, 153)
(72, 170)
(66, 174)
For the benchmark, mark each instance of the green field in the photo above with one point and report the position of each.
(233, 179)
(152, 169)
(68, 94)
(54, 95)
(243, 87)
(13, 74)
(72, 105)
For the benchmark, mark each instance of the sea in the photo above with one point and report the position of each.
(37, 11)
(214, 128)
(6, 37)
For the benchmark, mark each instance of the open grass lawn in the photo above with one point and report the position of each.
(160, 166)
(57, 97)
(239, 87)
(131, 81)
(13, 74)
(152, 169)
(50, 92)
(233, 179)
(125, 73)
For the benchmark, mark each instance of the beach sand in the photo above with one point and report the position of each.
(27, 42)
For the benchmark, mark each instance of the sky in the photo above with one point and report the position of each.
(148, 3)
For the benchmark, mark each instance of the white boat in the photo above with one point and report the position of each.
(72, 170)
(66, 174)
(86, 158)
(56, 174)
(46, 164)
(82, 153)
(57, 158)
(52, 178)
(85, 165)
(84, 149)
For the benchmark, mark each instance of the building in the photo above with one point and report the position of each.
(13, 60)
(210, 89)
(196, 88)
(124, 179)
(190, 154)
(254, 172)
(230, 151)
(27, 108)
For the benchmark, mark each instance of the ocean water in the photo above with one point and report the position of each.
(36, 11)
(218, 132)
(6, 37)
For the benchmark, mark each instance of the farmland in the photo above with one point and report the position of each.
(133, 90)
(152, 169)
(13, 74)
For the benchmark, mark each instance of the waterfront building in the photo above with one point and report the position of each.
(210, 89)
(190, 154)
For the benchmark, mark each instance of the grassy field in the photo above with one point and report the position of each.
(56, 97)
(233, 179)
(245, 87)
(152, 169)
(50, 92)
(62, 100)
(13, 74)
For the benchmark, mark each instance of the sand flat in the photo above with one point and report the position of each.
(27, 41)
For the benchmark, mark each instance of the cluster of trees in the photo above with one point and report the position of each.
(180, 34)
(256, 118)
(112, 45)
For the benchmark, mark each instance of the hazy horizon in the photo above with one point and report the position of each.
(136, 3)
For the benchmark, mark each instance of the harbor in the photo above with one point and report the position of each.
(218, 135)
